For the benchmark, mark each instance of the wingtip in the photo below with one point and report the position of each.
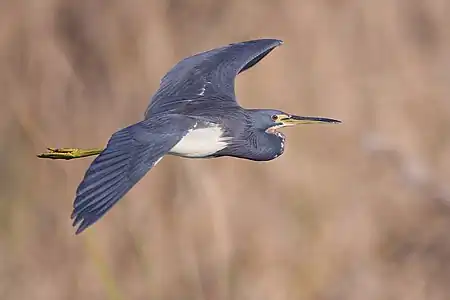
(275, 42)
(271, 41)
(83, 225)
(81, 221)
(79, 230)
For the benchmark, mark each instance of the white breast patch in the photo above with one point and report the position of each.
(201, 142)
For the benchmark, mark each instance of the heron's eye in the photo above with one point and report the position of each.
(274, 117)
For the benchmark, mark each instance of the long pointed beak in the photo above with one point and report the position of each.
(295, 120)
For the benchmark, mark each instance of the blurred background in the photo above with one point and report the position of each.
(355, 211)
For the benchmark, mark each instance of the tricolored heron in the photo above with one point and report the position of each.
(194, 114)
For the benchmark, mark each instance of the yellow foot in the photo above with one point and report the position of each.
(69, 153)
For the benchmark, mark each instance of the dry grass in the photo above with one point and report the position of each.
(357, 211)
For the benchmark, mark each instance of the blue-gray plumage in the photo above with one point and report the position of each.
(193, 114)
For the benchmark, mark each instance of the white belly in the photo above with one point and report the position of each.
(201, 142)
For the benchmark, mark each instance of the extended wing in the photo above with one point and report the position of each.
(208, 75)
(129, 155)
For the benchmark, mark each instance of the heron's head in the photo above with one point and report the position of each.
(270, 120)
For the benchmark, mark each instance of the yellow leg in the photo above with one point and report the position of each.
(69, 153)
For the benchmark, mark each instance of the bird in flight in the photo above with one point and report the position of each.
(193, 114)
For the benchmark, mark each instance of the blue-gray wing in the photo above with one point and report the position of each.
(209, 74)
(129, 155)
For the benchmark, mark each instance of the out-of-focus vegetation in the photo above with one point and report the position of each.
(355, 211)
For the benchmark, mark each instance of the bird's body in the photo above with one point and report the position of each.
(203, 140)
(193, 114)
(217, 133)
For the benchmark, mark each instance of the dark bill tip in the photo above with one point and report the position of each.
(311, 120)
